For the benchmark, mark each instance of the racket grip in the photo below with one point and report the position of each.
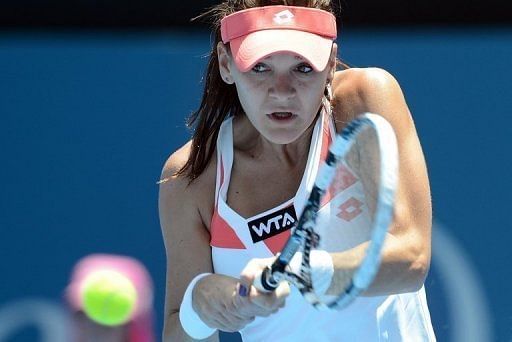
(264, 281)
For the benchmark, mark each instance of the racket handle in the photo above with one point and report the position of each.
(264, 281)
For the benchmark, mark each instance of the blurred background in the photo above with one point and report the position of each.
(94, 96)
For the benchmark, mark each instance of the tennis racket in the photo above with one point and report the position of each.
(366, 148)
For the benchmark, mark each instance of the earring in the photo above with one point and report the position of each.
(328, 92)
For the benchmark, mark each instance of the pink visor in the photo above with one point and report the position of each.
(258, 32)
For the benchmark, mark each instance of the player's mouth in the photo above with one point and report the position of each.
(281, 116)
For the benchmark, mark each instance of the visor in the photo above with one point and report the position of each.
(258, 32)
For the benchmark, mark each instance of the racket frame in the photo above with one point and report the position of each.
(303, 234)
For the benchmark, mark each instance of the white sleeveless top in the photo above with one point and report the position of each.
(400, 317)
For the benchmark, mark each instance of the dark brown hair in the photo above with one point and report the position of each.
(219, 99)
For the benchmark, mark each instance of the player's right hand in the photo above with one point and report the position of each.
(269, 302)
(217, 301)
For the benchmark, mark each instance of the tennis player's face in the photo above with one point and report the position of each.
(281, 94)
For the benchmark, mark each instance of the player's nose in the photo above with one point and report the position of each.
(282, 88)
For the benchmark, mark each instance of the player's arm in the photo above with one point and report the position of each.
(406, 252)
(186, 243)
(186, 238)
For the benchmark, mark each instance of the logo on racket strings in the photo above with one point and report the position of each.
(272, 224)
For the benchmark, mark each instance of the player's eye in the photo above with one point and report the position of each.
(259, 68)
(304, 68)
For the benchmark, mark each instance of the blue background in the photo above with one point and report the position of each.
(87, 121)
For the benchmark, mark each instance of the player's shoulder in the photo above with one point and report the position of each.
(177, 188)
(364, 82)
(175, 162)
(375, 90)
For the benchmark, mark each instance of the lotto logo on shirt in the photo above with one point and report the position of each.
(272, 224)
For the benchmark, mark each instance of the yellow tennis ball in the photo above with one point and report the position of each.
(109, 297)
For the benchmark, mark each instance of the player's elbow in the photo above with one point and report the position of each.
(418, 266)
(418, 271)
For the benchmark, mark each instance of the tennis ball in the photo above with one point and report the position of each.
(109, 297)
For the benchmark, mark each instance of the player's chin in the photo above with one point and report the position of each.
(283, 137)
(288, 133)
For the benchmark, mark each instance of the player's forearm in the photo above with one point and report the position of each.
(403, 268)
(173, 331)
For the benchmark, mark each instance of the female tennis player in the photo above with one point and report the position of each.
(273, 98)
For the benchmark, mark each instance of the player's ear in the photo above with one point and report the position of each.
(225, 64)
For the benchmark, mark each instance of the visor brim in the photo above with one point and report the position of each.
(250, 49)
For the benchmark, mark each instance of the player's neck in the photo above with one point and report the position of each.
(249, 141)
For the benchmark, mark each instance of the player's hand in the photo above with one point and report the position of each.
(215, 299)
(267, 302)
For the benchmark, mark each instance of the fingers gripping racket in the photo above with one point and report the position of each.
(367, 145)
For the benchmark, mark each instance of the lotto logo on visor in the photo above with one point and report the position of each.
(284, 17)
(272, 224)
